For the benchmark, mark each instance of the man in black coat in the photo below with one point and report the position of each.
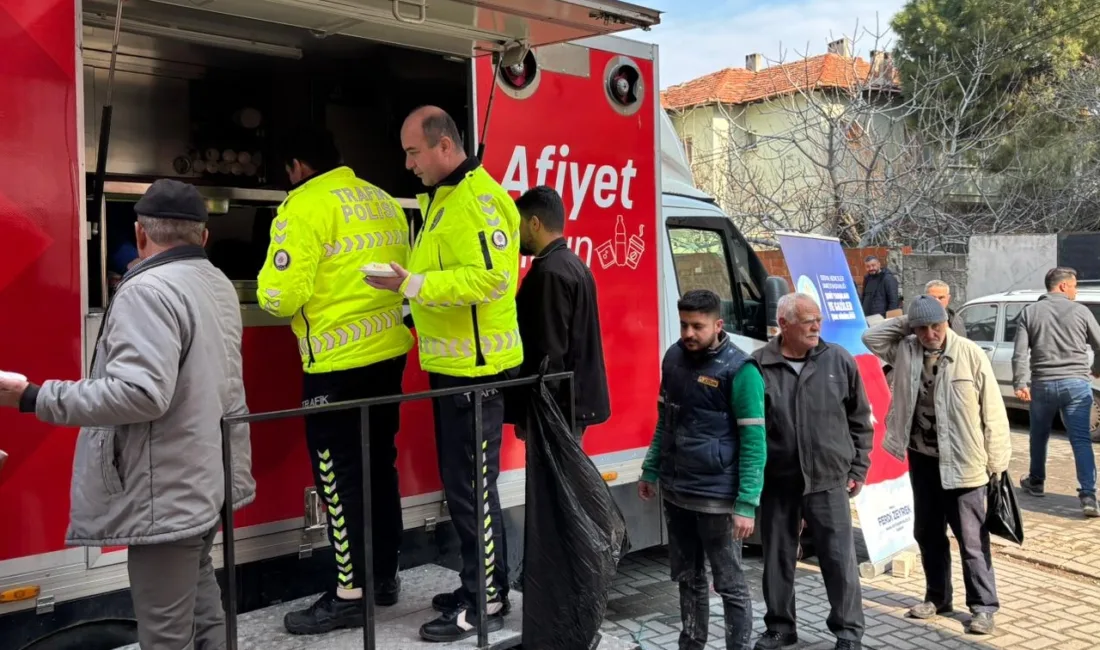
(558, 315)
(880, 288)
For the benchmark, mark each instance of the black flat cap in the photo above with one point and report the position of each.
(170, 199)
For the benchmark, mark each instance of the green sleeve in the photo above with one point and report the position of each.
(651, 466)
(748, 409)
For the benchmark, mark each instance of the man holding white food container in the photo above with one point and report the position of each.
(353, 343)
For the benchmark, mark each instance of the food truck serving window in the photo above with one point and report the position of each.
(459, 27)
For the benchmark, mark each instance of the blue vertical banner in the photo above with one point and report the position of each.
(820, 270)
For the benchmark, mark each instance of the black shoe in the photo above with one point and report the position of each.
(326, 614)
(982, 623)
(1088, 506)
(452, 600)
(1032, 487)
(386, 592)
(772, 640)
(461, 623)
(847, 644)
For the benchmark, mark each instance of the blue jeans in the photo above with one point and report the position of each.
(1073, 398)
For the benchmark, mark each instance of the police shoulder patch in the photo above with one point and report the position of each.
(281, 259)
(709, 381)
(500, 240)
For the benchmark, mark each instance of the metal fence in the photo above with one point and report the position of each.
(364, 406)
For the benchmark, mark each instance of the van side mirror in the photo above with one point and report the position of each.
(775, 287)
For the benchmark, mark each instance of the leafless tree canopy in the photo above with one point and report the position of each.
(863, 161)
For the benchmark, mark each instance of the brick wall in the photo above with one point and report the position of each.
(892, 258)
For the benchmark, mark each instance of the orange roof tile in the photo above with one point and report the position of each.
(741, 86)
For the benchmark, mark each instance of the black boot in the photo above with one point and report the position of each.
(772, 640)
(452, 600)
(326, 614)
(386, 592)
(461, 623)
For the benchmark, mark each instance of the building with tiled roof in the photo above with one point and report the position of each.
(748, 121)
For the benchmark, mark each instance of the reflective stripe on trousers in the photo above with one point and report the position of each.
(352, 332)
(464, 348)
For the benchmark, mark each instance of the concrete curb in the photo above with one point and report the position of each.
(1008, 549)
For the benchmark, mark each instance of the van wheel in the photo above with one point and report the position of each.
(1094, 418)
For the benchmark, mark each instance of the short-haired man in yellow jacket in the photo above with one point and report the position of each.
(461, 286)
(354, 344)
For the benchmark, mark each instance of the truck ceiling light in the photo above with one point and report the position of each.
(198, 38)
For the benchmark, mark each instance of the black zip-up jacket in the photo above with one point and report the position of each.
(880, 293)
(560, 319)
(818, 422)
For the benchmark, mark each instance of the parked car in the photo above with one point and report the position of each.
(990, 322)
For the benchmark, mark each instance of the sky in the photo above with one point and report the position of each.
(697, 37)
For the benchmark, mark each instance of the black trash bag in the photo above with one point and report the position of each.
(574, 534)
(1002, 511)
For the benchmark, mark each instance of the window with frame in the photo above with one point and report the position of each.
(980, 322)
(701, 258)
(1012, 320)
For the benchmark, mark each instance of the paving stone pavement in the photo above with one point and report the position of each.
(1055, 533)
(1041, 605)
(1039, 608)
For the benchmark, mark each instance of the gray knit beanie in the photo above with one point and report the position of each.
(926, 310)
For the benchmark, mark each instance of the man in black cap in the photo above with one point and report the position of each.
(166, 370)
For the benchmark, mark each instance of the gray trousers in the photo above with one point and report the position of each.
(177, 601)
(830, 520)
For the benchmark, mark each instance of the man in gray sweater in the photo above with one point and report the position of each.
(1056, 378)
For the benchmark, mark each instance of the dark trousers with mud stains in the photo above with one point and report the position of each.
(934, 509)
(336, 456)
(693, 538)
(829, 518)
(454, 443)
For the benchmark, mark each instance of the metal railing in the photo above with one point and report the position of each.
(364, 406)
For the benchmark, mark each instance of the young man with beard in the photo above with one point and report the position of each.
(708, 454)
(559, 318)
(947, 414)
(819, 446)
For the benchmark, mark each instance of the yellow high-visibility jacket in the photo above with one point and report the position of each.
(464, 270)
(325, 231)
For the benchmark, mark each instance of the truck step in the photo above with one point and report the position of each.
(396, 627)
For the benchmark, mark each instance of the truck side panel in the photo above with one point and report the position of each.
(41, 249)
(564, 131)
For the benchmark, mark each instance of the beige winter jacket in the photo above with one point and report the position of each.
(971, 421)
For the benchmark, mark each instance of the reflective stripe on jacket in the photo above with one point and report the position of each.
(325, 231)
(464, 273)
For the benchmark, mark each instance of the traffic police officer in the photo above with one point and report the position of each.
(353, 344)
(461, 285)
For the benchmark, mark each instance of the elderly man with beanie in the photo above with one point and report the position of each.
(166, 370)
(947, 414)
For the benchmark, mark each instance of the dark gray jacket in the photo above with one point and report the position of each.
(955, 321)
(818, 421)
(1058, 332)
(167, 368)
(880, 293)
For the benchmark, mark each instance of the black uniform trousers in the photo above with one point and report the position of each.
(828, 515)
(693, 539)
(454, 442)
(335, 453)
(934, 509)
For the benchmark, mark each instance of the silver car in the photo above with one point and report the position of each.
(991, 323)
